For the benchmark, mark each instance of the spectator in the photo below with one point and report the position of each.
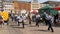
(1, 21)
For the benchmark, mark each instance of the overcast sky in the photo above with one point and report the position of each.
(42, 0)
(32, 0)
(54, 0)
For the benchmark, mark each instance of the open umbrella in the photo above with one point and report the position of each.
(54, 12)
(49, 9)
(35, 11)
(57, 8)
(40, 11)
(45, 9)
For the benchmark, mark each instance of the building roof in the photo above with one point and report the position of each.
(47, 2)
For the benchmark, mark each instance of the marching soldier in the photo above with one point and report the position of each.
(20, 20)
(50, 23)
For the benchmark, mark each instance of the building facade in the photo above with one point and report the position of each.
(35, 4)
(0, 6)
(8, 6)
(43, 5)
(19, 5)
(35, 1)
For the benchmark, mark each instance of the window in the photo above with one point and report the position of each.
(35, 6)
(6, 0)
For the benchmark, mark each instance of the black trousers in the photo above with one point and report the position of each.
(12, 18)
(37, 22)
(1, 23)
(30, 21)
(7, 22)
(21, 22)
(46, 21)
(50, 26)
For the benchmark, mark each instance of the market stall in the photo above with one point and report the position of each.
(58, 10)
(48, 9)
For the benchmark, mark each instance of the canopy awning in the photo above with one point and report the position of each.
(54, 12)
(47, 7)
(57, 8)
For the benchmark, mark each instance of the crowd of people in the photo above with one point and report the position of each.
(47, 18)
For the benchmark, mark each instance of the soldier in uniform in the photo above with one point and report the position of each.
(50, 22)
(20, 20)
